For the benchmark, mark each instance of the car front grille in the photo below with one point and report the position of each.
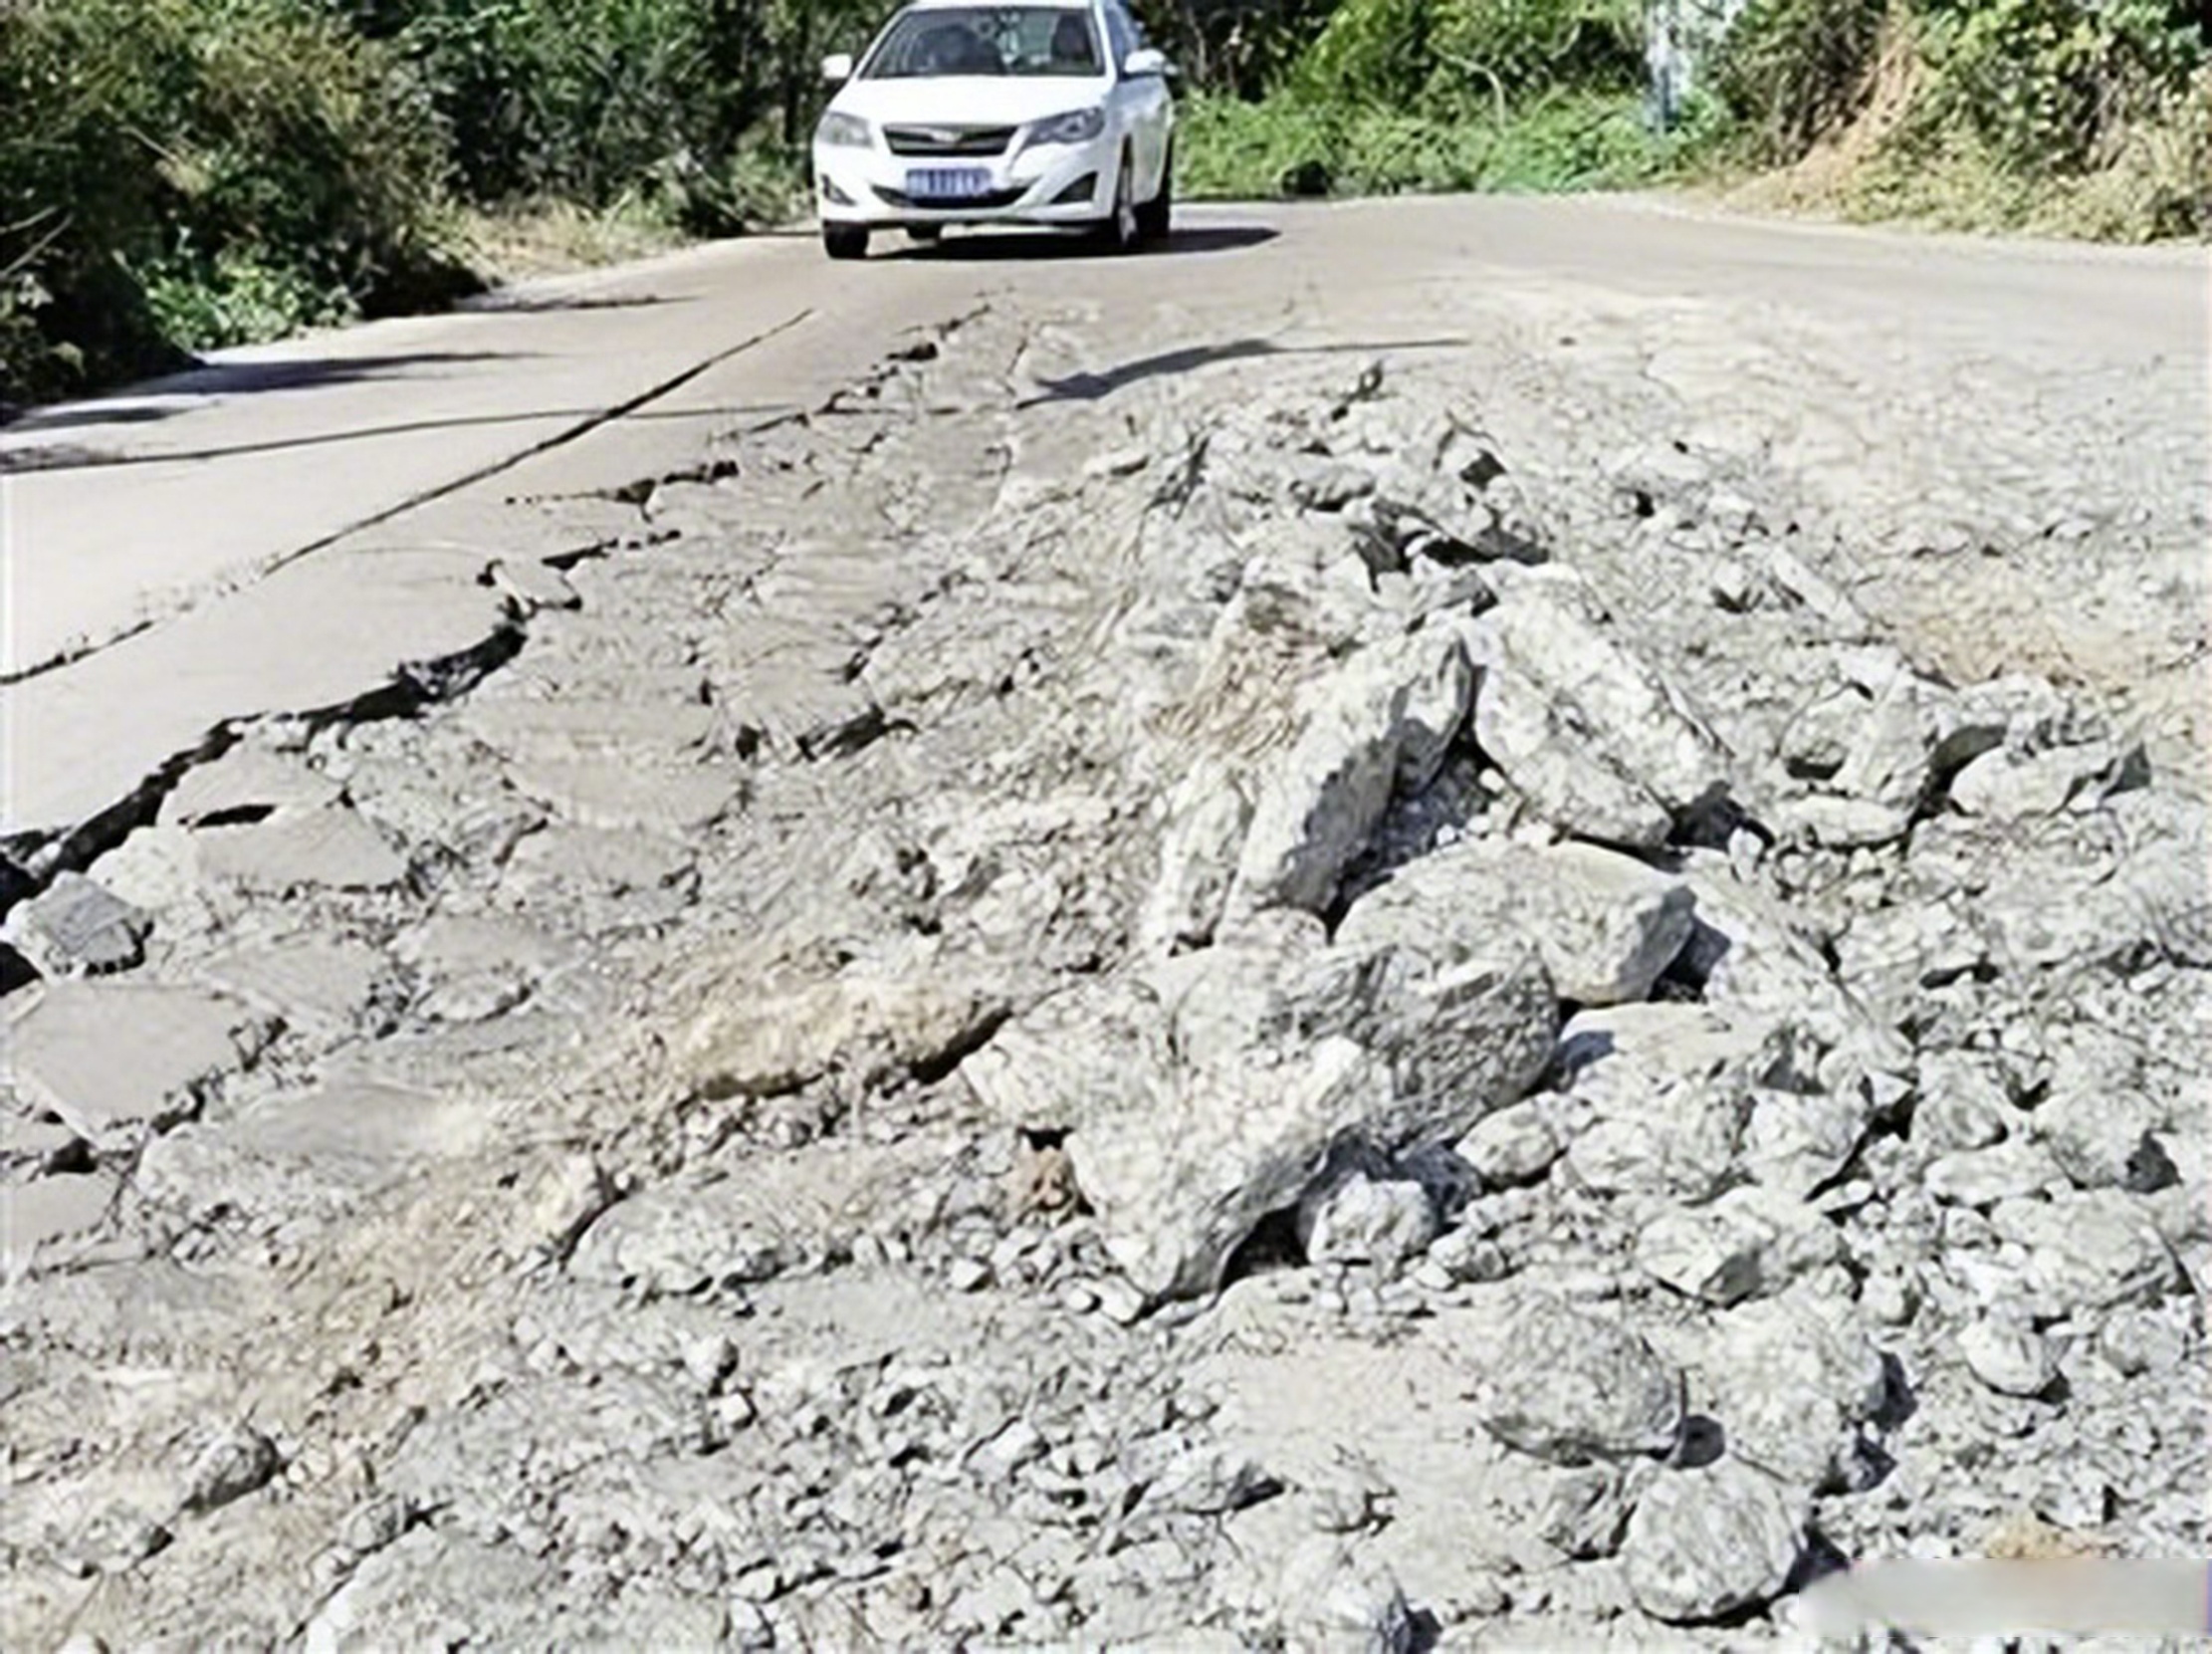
(948, 141)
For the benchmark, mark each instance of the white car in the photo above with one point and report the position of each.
(1044, 113)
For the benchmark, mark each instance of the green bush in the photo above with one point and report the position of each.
(182, 172)
(1289, 145)
(581, 98)
(1403, 52)
(1792, 71)
(2050, 87)
(760, 181)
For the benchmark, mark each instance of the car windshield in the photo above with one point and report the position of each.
(988, 40)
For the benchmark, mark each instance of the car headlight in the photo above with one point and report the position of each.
(1075, 127)
(840, 131)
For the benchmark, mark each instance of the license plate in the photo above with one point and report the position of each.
(948, 183)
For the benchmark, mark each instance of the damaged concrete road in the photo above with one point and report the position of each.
(842, 1010)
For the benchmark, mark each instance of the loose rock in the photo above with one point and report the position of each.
(1706, 1544)
(2008, 1357)
(1569, 1388)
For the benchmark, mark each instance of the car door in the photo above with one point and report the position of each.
(1146, 107)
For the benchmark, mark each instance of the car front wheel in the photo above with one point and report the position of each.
(1118, 231)
(1156, 217)
(846, 241)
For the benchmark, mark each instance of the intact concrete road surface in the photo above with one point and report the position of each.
(746, 953)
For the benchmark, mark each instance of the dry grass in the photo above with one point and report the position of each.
(2024, 1537)
(556, 238)
(1822, 183)
(2154, 179)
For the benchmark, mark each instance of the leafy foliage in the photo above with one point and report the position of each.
(2049, 85)
(1437, 51)
(145, 143)
(1793, 71)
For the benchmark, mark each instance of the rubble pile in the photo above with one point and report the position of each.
(1302, 1035)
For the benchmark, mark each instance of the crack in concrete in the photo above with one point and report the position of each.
(413, 686)
(28, 866)
(182, 604)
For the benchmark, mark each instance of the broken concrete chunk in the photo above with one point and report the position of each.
(1750, 1242)
(78, 927)
(1794, 1382)
(2010, 787)
(321, 987)
(1362, 1214)
(1963, 1104)
(328, 847)
(236, 1462)
(754, 1048)
(1708, 1543)
(634, 731)
(602, 860)
(49, 1212)
(1549, 627)
(110, 1055)
(361, 1124)
(1178, 1186)
(681, 1238)
(2105, 1139)
(1088, 1054)
(1668, 1087)
(1460, 1036)
(1985, 1176)
(1606, 924)
(1753, 953)
(1554, 760)
(615, 796)
(1585, 1513)
(1840, 823)
(1333, 1599)
(247, 783)
(1212, 1089)
(534, 585)
(1384, 719)
(1513, 1146)
(2097, 1250)
(2008, 1356)
(1796, 1144)
(1208, 814)
(1570, 1387)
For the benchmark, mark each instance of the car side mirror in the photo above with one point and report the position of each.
(837, 68)
(1145, 65)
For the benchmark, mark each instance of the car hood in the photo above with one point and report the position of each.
(967, 100)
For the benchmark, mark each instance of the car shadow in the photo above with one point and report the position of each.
(987, 246)
(1189, 358)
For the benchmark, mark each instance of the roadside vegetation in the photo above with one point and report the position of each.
(182, 175)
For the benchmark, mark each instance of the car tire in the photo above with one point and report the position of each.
(1118, 231)
(1157, 216)
(846, 241)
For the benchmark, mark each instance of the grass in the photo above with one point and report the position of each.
(2151, 183)
(550, 238)
(1290, 147)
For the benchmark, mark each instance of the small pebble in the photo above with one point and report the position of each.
(1120, 1303)
(2008, 1357)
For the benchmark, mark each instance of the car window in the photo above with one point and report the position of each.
(988, 40)
(1120, 35)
